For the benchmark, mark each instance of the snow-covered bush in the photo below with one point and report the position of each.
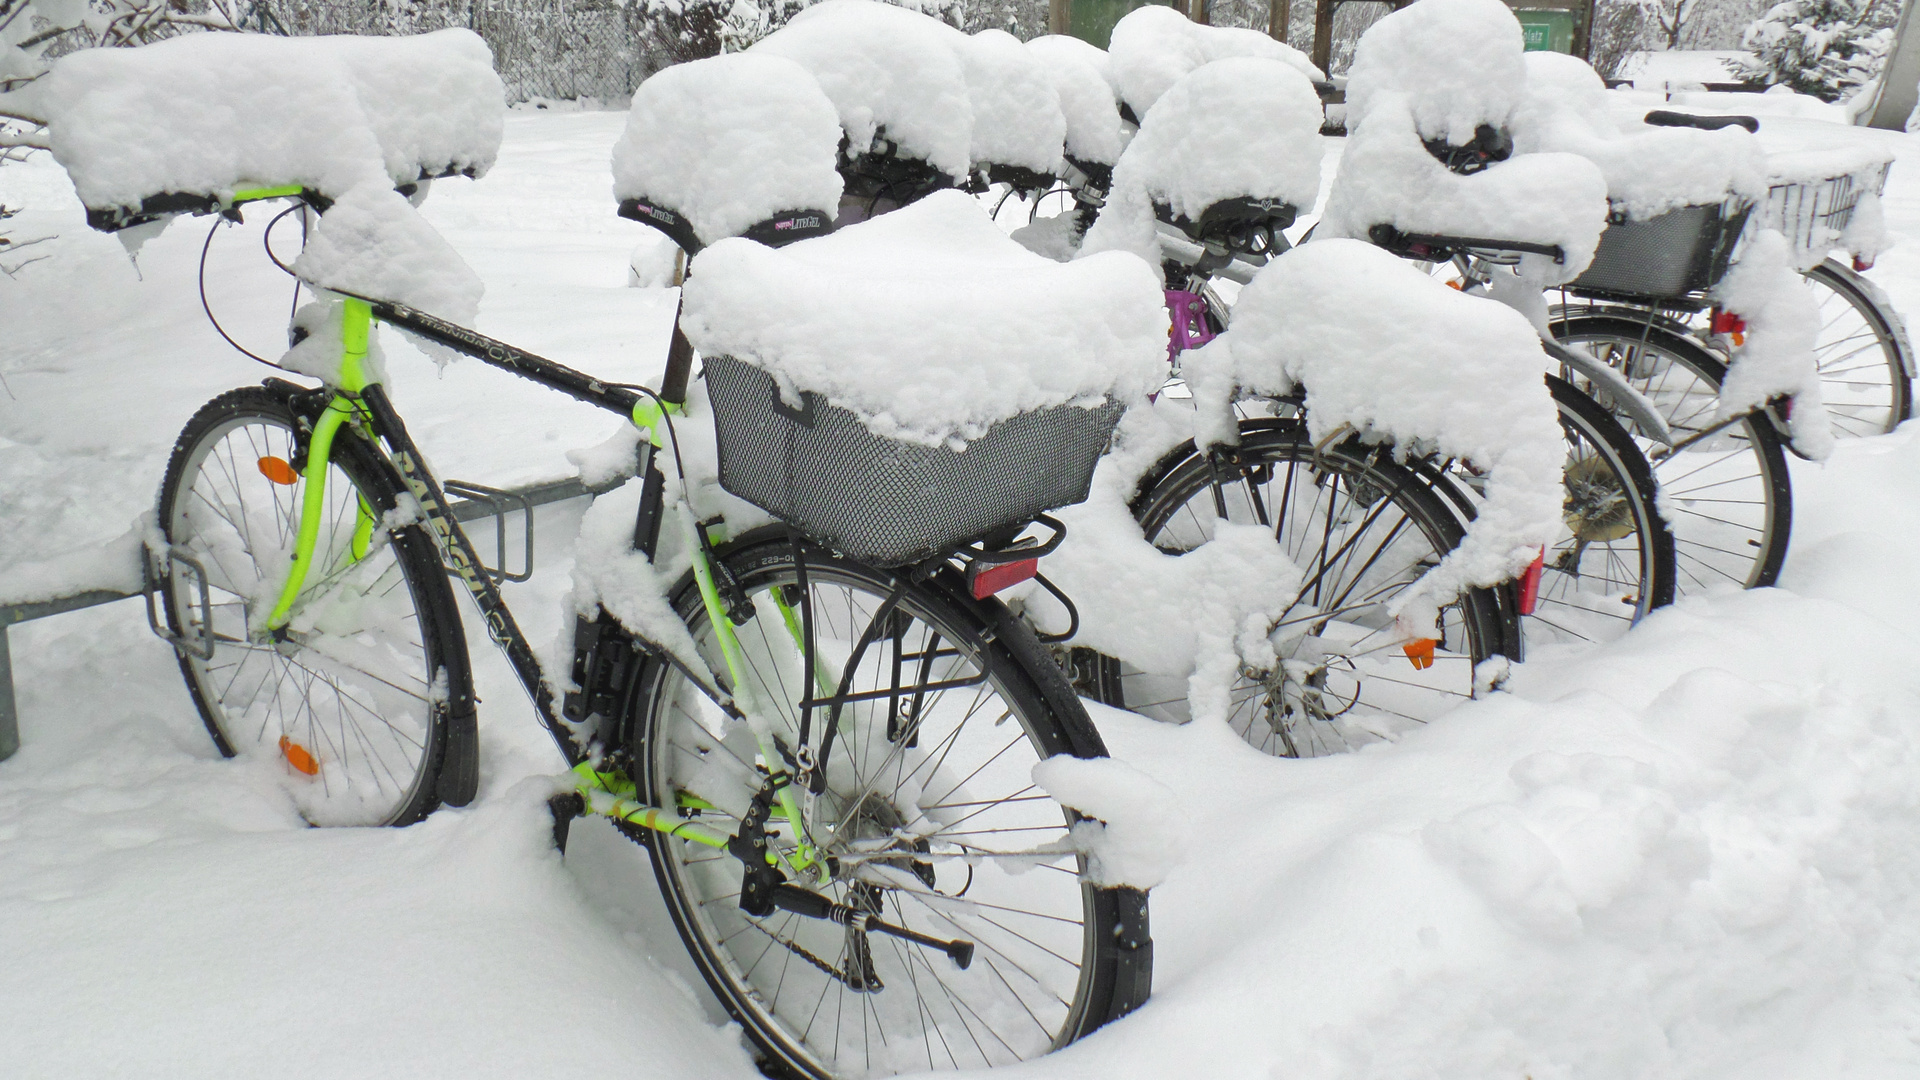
(1826, 48)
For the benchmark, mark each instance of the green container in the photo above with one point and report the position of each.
(1546, 30)
(1093, 19)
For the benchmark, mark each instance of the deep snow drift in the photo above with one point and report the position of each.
(1694, 852)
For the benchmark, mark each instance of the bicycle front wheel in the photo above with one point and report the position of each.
(348, 702)
(1361, 528)
(1862, 353)
(931, 818)
(1727, 497)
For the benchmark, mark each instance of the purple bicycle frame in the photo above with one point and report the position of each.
(1190, 328)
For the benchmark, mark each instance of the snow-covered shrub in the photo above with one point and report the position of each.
(1826, 48)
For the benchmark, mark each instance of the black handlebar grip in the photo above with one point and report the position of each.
(1668, 118)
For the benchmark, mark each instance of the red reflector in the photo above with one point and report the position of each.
(1530, 583)
(986, 579)
(1726, 322)
(1861, 265)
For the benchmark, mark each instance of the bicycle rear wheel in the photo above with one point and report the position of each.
(1614, 562)
(1726, 498)
(1862, 353)
(350, 700)
(1362, 529)
(931, 816)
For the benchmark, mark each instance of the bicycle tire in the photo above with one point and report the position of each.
(926, 1015)
(1728, 500)
(356, 716)
(1862, 353)
(1350, 481)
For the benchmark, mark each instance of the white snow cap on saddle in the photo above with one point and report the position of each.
(205, 114)
(1387, 177)
(886, 67)
(929, 323)
(1242, 127)
(1458, 64)
(1382, 347)
(1649, 170)
(1017, 119)
(730, 141)
(1087, 98)
(1154, 46)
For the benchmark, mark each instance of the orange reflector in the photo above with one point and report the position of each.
(278, 471)
(298, 757)
(1739, 338)
(1456, 285)
(1530, 583)
(1420, 651)
(1862, 265)
(987, 579)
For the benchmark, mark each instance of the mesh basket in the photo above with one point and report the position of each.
(886, 502)
(1679, 252)
(1813, 215)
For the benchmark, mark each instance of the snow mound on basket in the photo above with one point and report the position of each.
(205, 114)
(1154, 46)
(1399, 357)
(1649, 170)
(1087, 97)
(1458, 62)
(929, 323)
(1440, 70)
(730, 141)
(1240, 127)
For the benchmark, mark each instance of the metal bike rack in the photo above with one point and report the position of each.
(486, 502)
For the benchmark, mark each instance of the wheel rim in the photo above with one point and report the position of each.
(1858, 361)
(1345, 678)
(965, 793)
(341, 704)
(1717, 496)
(1596, 578)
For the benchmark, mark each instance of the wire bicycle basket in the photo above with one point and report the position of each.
(887, 502)
(1815, 214)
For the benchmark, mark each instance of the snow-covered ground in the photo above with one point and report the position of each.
(1692, 853)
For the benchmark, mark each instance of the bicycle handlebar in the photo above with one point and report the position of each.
(1668, 118)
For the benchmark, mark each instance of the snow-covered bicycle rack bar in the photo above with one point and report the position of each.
(488, 502)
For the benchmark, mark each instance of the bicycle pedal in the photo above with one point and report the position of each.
(565, 807)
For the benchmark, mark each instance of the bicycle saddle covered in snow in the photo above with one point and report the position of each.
(735, 145)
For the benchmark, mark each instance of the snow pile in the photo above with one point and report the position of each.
(207, 113)
(1133, 839)
(1458, 64)
(885, 67)
(1087, 98)
(1154, 46)
(1017, 117)
(1385, 350)
(373, 243)
(1240, 127)
(1649, 170)
(1388, 177)
(729, 142)
(1783, 324)
(928, 322)
(1441, 70)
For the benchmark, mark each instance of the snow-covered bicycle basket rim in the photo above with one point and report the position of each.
(1814, 214)
(1666, 256)
(888, 502)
